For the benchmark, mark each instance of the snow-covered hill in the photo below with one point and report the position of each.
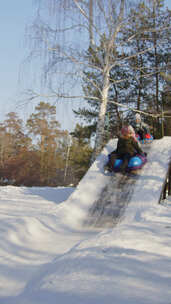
(46, 256)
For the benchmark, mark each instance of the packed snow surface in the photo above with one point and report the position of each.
(48, 256)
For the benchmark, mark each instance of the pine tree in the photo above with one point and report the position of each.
(46, 129)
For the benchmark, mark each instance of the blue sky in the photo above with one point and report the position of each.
(14, 17)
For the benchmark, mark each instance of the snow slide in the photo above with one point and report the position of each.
(102, 200)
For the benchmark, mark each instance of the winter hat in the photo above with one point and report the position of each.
(124, 130)
(128, 131)
(137, 116)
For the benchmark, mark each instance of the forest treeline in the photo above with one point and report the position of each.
(38, 152)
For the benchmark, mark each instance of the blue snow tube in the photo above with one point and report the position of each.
(136, 162)
(117, 163)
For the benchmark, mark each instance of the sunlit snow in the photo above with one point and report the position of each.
(48, 256)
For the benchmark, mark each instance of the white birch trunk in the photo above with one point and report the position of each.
(106, 81)
(101, 117)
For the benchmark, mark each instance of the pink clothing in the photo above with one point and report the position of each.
(128, 131)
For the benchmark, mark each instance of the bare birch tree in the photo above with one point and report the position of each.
(70, 41)
(79, 26)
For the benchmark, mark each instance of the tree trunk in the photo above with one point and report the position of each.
(106, 83)
(42, 158)
(101, 117)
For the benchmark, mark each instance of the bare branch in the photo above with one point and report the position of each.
(87, 17)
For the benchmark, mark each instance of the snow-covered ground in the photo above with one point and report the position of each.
(47, 256)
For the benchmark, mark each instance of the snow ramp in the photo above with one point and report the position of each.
(102, 200)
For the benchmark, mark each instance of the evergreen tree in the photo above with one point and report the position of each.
(80, 151)
(46, 129)
(13, 139)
